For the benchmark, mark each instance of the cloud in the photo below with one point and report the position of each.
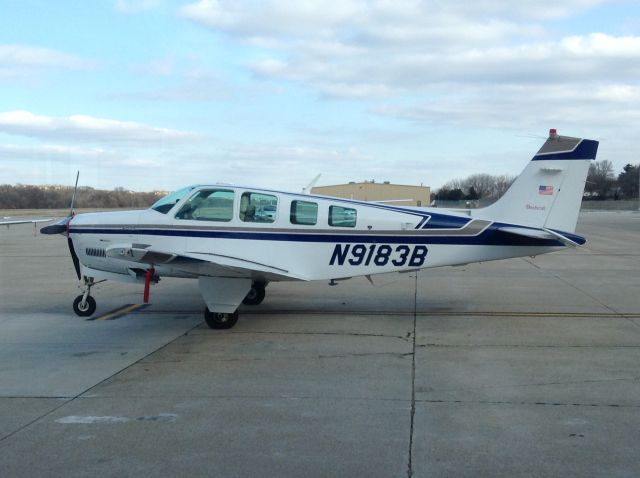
(470, 64)
(256, 18)
(51, 152)
(157, 67)
(373, 49)
(399, 19)
(20, 61)
(525, 107)
(88, 128)
(572, 60)
(280, 165)
(194, 84)
(131, 7)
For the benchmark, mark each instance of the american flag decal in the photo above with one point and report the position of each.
(545, 190)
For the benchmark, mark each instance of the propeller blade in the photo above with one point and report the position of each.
(74, 257)
(73, 198)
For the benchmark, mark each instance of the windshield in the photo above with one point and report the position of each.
(165, 204)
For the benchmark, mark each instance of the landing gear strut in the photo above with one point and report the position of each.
(84, 305)
(219, 320)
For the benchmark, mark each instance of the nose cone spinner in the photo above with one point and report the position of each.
(59, 227)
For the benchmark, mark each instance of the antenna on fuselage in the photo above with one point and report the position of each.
(313, 182)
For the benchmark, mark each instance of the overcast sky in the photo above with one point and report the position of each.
(157, 94)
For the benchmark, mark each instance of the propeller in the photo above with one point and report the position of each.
(74, 257)
(62, 227)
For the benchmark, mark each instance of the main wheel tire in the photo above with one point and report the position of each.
(84, 310)
(219, 320)
(255, 295)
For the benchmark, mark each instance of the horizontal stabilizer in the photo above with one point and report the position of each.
(573, 241)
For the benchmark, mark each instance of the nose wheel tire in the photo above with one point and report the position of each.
(84, 309)
(219, 320)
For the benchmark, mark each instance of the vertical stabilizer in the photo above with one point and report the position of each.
(548, 193)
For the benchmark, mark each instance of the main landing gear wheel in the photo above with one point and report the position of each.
(84, 308)
(255, 295)
(219, 320)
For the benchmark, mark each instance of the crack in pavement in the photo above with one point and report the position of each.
(516, 402)
(292, 357)
(534, 384)
(75, 397)
(529, 346)
(413, 380)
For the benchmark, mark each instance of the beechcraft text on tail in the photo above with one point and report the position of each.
(235, 240)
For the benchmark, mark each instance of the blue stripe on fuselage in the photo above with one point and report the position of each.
(490, 237)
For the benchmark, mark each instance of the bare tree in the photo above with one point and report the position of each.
(503, 182)
(600, 178)
(481, 185)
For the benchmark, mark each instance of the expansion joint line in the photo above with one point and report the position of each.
(413, 378)
(80, 394)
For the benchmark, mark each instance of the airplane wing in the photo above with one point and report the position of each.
(9, 222)
(200, 264)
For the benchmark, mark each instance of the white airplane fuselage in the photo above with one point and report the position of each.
(383, 239)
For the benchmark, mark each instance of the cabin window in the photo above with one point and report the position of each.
(208, 205)
(342, 216)
(304, 212)
(258, 207)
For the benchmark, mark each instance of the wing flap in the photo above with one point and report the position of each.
(207, 264)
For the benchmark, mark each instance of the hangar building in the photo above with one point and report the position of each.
(403, 195)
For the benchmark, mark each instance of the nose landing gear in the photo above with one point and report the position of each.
(84, 305)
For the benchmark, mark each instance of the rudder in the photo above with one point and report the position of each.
(548, 192)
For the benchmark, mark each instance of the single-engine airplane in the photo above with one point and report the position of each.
(235, 240)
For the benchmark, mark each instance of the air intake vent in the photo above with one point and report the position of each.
(93, 251)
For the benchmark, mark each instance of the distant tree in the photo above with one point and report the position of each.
(479, 186)
(454, 184)
(57, 197)
(503, 182)
(628, 181)
(472, 195)
(600, 179)
(482, 184)
(446, 194)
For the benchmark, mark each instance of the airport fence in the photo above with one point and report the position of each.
(606, 205)
(611, 205)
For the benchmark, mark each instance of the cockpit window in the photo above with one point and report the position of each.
(165, 204)
(208, 205)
